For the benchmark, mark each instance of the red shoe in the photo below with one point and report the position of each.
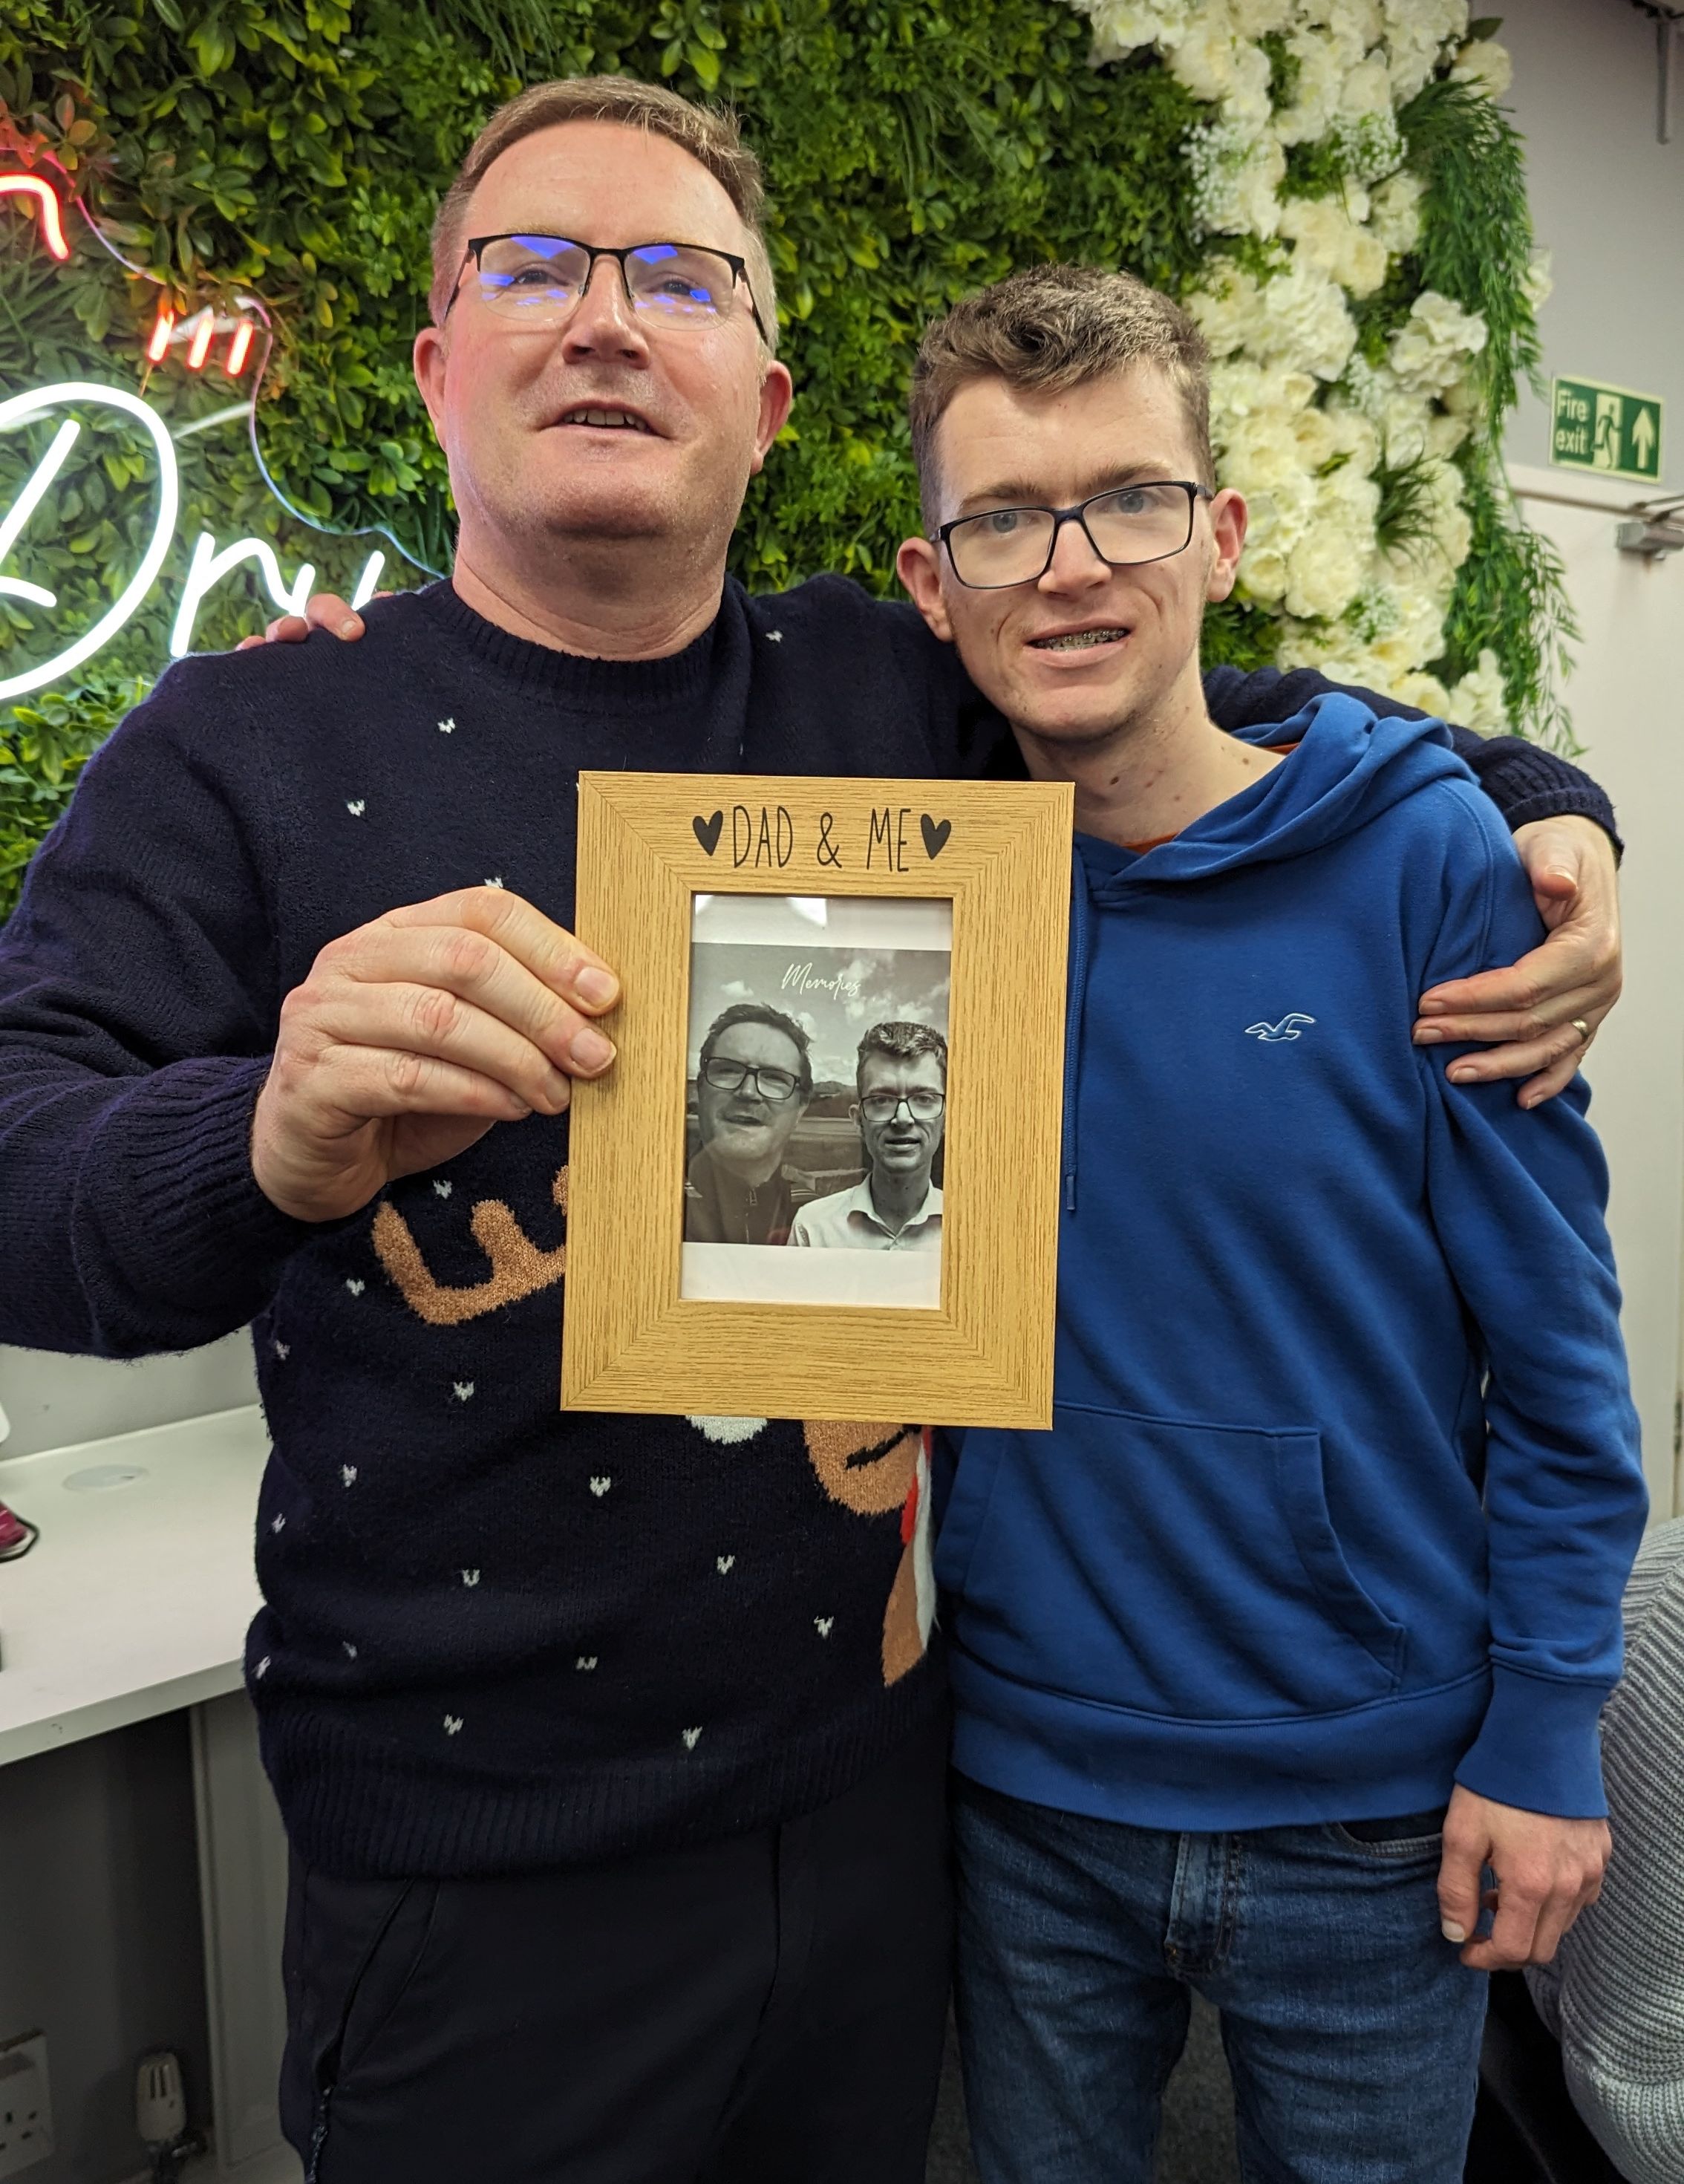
(16, 1537)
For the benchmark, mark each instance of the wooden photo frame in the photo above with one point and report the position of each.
(958, 1330)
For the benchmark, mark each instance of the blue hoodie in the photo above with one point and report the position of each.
(1342, 1485)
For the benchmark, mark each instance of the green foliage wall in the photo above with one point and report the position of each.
(297, 149)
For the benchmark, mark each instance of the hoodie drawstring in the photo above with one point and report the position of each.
(1076, 1006)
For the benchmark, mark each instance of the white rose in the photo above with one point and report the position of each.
(1261, 455)
(1355, 436)
(1479, 701)
(1242, 388)
(1207, 60)
(1426, 694)
(1486, 65)
(1331, 239)
(1262, 18)
(1416, 32)
(1304, 322)
(1367, 89)
(1263, 575)
(1395, 218)
(1428, 350)
(1120, 25)
(1325, 573)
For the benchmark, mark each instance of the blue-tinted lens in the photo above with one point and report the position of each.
(524, 271)
(679, 281)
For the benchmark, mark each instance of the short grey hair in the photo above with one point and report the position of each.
(709, 135)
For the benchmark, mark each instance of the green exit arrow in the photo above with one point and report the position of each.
(1643, 438)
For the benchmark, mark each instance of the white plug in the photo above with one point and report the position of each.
(160, 2106)
(25, 2109)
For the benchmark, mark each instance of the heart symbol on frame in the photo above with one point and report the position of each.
(708, 830)
(934, 832)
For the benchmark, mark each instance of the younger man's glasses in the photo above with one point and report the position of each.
(1125, 527)
(538, 280)
(724, 1075)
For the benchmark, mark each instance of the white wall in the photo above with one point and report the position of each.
(1625, 706)
(54, 1402)
(100, 1936)
(1608, 202)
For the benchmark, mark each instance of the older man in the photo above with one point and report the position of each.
(901, 1077)
(753, 1080)
(618, 1828)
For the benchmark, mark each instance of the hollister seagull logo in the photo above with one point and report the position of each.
(1287, 1029)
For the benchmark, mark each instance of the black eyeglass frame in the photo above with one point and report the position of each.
(477, 244)
(1076, 514)
(901, 1100)
(747, 1069)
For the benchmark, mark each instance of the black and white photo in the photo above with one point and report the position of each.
(816, 1094)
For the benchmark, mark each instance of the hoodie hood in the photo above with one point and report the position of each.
(1348, 767)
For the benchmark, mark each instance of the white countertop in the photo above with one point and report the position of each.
(136, 1598)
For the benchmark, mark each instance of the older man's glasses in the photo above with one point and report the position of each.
(538, 280)
(777, 1085)
(1133, 524)
(879, 1107)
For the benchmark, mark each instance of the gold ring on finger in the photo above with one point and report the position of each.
(1583, 1030)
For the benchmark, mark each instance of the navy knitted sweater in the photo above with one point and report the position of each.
(496, 1635)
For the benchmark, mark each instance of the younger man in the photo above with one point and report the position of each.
(901, 1077)
(1330, 1532)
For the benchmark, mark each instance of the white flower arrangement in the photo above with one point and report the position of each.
(1305, 427)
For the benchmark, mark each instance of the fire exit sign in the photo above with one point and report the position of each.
(1604, 428)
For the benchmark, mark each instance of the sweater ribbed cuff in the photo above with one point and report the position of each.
(177, 1244)
(1529, 784)
(1538, 1748)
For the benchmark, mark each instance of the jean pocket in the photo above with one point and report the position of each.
(1397, 1840)
(1179, 1568)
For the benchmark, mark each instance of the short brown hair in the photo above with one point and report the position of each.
(1056, 327)
(710, 135)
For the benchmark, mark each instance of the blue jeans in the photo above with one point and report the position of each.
(1352, 2027)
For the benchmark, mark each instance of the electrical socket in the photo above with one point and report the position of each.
(25, 2105)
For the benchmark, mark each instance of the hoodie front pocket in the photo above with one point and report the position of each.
(1173, 1567)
